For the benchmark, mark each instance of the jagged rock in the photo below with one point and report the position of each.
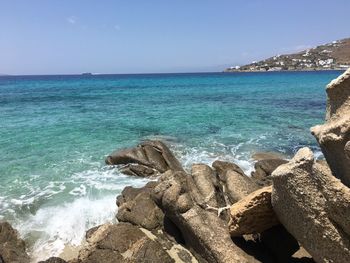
(253, 213)
(222, 167)
(147, 159)
(136, 206)
(12, 247)
(124, 242)
(263, 170)
(191, 202)
(235, 184)
(334, 135)
(53, 260)
(314, 207)
(138, 170)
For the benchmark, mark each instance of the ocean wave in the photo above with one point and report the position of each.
(53, 228)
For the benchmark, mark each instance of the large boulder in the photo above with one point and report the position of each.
(12, 247)
(124, 242)
(136, 206)
(314, 206)
(235, 184)
(149, 158)
(253, 214)
(192, 202)
(334, 135)
(263, 170)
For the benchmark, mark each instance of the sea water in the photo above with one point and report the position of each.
(55, 132)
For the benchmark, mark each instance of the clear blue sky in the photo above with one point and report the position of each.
(74, 36)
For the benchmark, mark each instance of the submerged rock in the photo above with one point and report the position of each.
(334, 135)
(147, 159)
(267, 155)
(12, 247)
(314, 207)
(192, 202)
(252, 214)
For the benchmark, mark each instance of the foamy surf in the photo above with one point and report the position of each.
(56, 227)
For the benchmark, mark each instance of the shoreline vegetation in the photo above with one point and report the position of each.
(287, 211)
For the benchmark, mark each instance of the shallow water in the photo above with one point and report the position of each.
(56, 130)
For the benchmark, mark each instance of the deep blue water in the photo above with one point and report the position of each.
(56, 130)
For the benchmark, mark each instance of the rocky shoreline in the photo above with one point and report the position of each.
(286, 211)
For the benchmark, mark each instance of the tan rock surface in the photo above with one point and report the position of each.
(252, 214)
(125, 242)
(314, 206)
(187, 200)
(334, 135)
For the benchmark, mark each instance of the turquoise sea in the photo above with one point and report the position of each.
(55, 132)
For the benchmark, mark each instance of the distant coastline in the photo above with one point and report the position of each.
(331, 56)
(284, 70)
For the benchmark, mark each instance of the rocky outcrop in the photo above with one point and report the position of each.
(125, 242)
(253, 214)
(150, 158)
(136, 206)
(12, 247)
(192, 202)
(334, 135)
(263, 170)
(314, 207)
(235, 184)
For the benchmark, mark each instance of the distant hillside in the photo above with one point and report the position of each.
(335, 55)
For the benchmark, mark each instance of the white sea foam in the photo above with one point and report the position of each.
(189, 156)
(55, 227)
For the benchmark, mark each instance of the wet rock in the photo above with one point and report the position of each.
(253, 213)
(189, 201)
(263, 170)
(137, 207)
(267, 155)
(222, 167)
(12, 247)
(314, 207)
(53, 260)
(125, 242)
(138, 170)
(236, 186)
(147, 159)
(334, 135)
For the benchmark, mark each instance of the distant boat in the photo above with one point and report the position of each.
(86, 74)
